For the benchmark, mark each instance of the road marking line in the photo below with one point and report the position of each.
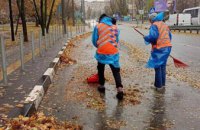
(197, 47)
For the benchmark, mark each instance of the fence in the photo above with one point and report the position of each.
(15, 57)
(186, 28)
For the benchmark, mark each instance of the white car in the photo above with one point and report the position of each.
(179, 19)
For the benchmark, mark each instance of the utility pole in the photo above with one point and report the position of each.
(132, 8)
(83, 10)
(143, 11)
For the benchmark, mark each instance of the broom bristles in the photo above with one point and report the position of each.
(178, 63)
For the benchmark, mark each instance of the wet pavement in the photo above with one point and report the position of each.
(185, 48)
(20, 83)
(71, 98)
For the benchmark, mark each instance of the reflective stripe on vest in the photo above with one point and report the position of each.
(107, 39)
(163, 39)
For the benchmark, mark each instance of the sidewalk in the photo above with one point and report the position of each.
(22, 82)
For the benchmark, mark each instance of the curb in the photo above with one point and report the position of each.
(35, 97)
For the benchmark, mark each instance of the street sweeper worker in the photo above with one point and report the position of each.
(160, 39)
(105, 38)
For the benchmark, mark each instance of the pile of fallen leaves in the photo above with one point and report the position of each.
(132, 96)
(38, 122)
(2, 91)
(115, 124)
(95, 102)
(65, 57)
(136, 52)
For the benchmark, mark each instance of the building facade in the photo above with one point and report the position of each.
(132, 10)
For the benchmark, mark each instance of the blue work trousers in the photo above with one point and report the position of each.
(160, 76)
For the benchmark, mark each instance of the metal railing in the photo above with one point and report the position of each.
(36, 46)
(186, 28)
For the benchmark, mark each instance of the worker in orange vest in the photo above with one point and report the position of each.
(105, 38)
(160, 39)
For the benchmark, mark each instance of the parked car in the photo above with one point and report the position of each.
(180, 19)
(195, 15)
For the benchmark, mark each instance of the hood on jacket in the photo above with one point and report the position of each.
(107, 20)
(159, 17)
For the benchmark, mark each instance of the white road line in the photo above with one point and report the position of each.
(196, 47)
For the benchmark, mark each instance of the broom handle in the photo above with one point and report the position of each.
(143, 36)
(139, 32)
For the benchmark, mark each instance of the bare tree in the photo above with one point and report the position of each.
(73, 11)
(21, 9)
(50, 16)
(42, 17)
(18, 17)
(11, 21)
(64, 16)
(89, 13)
(119, 6)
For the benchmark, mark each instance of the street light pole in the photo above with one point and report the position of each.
(132, 9)
(83, 10)
(143, 11)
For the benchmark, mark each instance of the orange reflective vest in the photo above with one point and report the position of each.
(106, 43)
(163, 39)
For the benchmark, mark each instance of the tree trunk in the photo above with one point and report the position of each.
(21, 9)
(64, 17)
(42, 17)
(45, 13)
(50, 16)
(24, 21)
(11, 21)
(36, 21)
(73, 18)
(16, 29)
(37, 13)
(132, 9)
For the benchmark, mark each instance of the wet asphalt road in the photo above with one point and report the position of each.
(185, 46)
(177, 108)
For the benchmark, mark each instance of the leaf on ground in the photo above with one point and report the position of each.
(132, 96)
(8, 105)
(115, 124)
(38, 121)
(19, 105)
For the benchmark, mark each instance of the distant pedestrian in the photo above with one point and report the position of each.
(105, 38)
(114, 21)
(160, 38)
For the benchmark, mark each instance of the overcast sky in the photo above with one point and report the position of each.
(94, 0)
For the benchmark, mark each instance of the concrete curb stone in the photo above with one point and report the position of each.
(34, 98)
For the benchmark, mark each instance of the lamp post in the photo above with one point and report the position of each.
(83, 10)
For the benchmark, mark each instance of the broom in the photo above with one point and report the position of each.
(177, 63)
